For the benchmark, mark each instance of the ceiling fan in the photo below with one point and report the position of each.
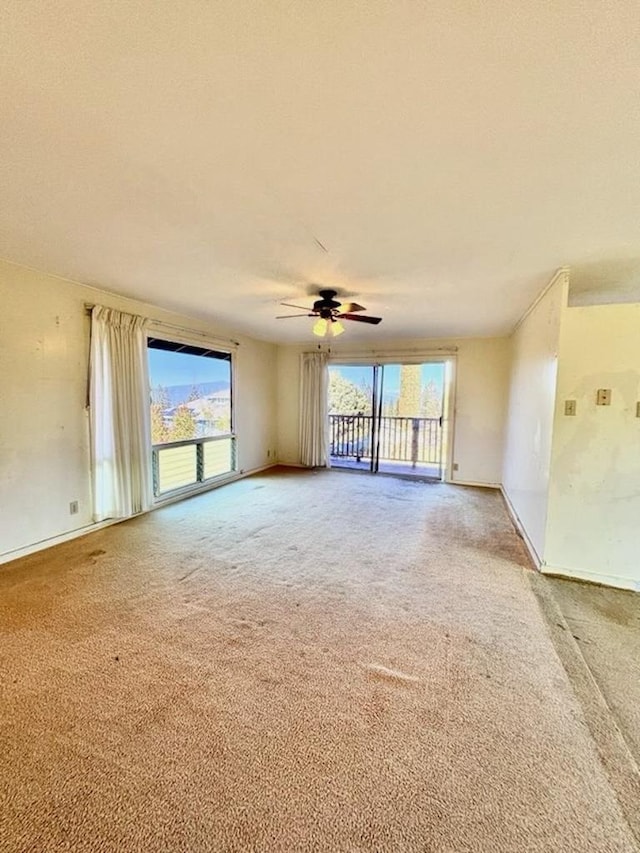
(329, 312)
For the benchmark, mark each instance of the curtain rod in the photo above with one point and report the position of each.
(390, 353)
(88, 307)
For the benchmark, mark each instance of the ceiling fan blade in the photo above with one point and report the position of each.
(361, 318)
(350, 307)
(287, 316)
(289, 305)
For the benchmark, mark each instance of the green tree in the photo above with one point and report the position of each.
(409, 400)
(159, 403)
(222, 424)
(347, 398)
(431, 404)
(159, 430)
(184, 424)
(207, 413)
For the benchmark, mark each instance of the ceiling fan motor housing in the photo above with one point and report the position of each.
(329, 309)
(327, 303)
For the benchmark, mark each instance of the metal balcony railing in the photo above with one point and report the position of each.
(180, 464)
(400, 439)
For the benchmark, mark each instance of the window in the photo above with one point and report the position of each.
(191, 414)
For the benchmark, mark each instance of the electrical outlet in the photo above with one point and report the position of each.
(73, 508)
(455, 466)
(569, 407)
(603, 397)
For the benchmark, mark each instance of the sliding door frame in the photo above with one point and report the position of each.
(447, 358)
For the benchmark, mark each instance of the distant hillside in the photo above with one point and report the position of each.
(176, 394)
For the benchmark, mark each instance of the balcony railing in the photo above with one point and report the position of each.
(400, 439)
(180, 464)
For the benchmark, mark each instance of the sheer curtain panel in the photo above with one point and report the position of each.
(120, 415)
(314, 414)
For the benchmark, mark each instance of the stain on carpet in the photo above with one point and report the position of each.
(383, 672)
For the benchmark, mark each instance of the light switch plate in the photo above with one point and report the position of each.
(569, 407)
(603, 397)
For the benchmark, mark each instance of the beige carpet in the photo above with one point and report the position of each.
(297, 662)
(606, 626)
(596, 632)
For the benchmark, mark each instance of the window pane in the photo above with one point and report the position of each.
(218, 458)
(190, 394)
(177, 467)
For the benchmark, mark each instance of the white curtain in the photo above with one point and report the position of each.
(120, 415)
(314, 412)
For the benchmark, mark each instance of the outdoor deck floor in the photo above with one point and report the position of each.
(421, 469)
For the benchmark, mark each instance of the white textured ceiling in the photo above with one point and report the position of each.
(449, 156)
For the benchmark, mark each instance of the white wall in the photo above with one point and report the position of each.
(593, 529)
(482, 374)
(482, 390)
(289, 404)
(529, 428)
(44, 438)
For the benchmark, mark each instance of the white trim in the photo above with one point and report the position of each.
(476, 485)
(185, 335)
(562, 271)
(163, 332)
(43, 544)
(449, 411)
(521, 530)
(592, 577)
(374, 357)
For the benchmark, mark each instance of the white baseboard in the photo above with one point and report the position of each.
(43, 544)
(592, 577)
(364, 471)
(520, 528)
(563, 571)
(473, 483)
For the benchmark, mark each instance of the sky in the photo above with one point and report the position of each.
(364, 375)
(178, 368)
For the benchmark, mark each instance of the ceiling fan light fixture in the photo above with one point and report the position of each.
(328, 313)
(321, 328)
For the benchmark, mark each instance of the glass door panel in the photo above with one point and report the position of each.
(352, 400)
(388, 418)
(411, 419)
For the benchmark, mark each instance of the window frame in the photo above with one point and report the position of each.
(201, 483)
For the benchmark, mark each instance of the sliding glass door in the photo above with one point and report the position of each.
(353, 397)
(388, 418)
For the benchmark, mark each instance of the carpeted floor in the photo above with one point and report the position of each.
(297, 662)
(606, 626)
